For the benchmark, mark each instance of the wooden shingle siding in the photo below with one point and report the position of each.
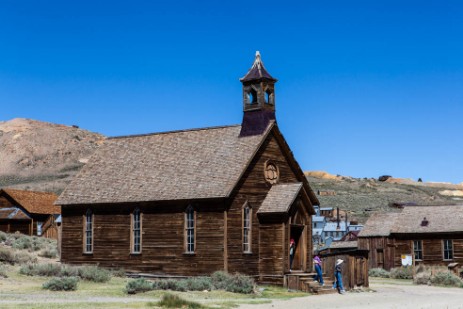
(271, 259)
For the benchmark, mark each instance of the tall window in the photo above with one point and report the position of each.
(448, 249)
(418, 249)
(247, 221)
(190, 230)
(136, 231)
(88, 232)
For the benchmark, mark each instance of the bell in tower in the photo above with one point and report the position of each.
(258, 99)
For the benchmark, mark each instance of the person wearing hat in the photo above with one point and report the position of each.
(292, 250)
(338, 277)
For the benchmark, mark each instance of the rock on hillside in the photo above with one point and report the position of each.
(38, 155)
(362, 196)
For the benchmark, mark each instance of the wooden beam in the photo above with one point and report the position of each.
(225, 241)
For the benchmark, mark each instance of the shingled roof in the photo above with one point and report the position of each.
(379, 224)
(13, 213)
(257, 71)
(34, 202)
(280, 198)
(179, 165)
(440, 219)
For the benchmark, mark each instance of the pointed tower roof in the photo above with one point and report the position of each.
(257, 71)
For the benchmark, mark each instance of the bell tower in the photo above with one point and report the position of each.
(258, 99)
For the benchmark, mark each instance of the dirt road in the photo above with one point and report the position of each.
(386, 294)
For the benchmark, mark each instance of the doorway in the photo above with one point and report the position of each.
(296, 233)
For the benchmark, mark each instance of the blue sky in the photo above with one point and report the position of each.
(366, 88)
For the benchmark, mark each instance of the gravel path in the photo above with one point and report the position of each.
(386, 295)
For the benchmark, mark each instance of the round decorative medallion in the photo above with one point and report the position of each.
(271, 172)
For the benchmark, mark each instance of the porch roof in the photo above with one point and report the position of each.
(280, 198)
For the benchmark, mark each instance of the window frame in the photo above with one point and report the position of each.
(418, 250)
(190, 230)
(133, 230)
(88, 247)
(447, 251)
(246, 229)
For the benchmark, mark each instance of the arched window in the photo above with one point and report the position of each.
(136, 231)
(190, 224)
(88, 232)
(247, 224)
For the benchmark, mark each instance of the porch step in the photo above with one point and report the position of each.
(303, 281)
(311, 286)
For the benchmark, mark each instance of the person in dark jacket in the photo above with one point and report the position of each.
(338, 277)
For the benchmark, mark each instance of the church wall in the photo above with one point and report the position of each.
(253, 189)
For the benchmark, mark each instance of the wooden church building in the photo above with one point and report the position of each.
(192, 202)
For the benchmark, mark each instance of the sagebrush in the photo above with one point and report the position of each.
(218, 281)
(61, 284)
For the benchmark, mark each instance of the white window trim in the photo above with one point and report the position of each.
(132, 231)
(247, 230)
(86, 230)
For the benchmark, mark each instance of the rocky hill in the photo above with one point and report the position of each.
(359, 197)
(37, 155)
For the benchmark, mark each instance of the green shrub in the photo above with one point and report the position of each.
(402, 273)
(3, 271)
(232, 283)
(3, 236)
(61, 284)
(7, 256)
(11, 257)
(49, 253)
(22, 257)
(94, 273)
(199, 284)
(165, 284)
(446, 279)
(379, 272)
(22, 242)
(119, 272)
(138, 285)
(422, 278)
(240, 284)
(49, 270)
(69, 271)
(220, 280)
(174, 301)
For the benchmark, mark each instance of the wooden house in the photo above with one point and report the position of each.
(28, 212)
(355, 266)
(192, 202)
(431, 235)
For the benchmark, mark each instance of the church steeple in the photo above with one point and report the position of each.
(258, 99)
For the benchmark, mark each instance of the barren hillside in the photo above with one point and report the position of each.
(361, 196)
(42, 156)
